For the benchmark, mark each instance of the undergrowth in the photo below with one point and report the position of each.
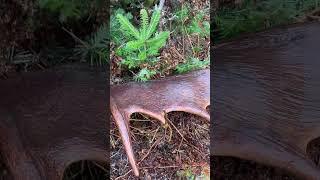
(149, 53)
(252, 16)
(192, 64)
(143, 44)
(70, 9)
(192, 26)
(95, 48)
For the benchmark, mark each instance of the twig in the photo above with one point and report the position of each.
(183, 137)
(100, 166)
(141, 120)
(177, 52)
(123, 175)
(161, 4)
(116, 152)
(193, 52)
(162, 167)
(155, 143)
(173, 166)
(200, 126)
(176, 129)
(76, 38)
(155, 134)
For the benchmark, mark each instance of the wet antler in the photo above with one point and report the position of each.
(188, 93)
(266, 98)
(51, 119)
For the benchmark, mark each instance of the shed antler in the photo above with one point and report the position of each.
(189, 93)
(51, 119)
(266, 95)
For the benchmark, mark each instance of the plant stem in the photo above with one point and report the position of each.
(161, 4)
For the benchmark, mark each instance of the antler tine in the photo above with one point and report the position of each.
(188, 93)
(199, 111)
(123, 126)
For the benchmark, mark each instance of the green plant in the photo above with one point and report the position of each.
(144, 75)
(96, 48)
(69, 9)
(199, 26)
(116, 36)
(133, 6)
(187, 24)
(192, 64)
(189, 173)
(142, 44)
(194, 30)
(254, 16)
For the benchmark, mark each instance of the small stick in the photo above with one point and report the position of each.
(155, 143)
(183, 137)
(123, 175)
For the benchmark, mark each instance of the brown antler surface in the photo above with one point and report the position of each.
(266, 98)
(189, 93)
(51, 119)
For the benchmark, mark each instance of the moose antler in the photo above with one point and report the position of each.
(266, 98)
(51, 119)
(189, 93)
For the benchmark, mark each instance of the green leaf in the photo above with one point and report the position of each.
(153, 23)
(144, 23)
(127, 26)
(192, 64)
(134, 45)
(144, 75)
(143, 55)
(158, 41)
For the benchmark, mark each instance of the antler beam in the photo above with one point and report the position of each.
(266, 94)
(189, 93)
(51, 119)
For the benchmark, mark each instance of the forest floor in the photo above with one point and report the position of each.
(178, 149)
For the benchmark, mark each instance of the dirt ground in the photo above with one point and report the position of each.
(178, 149)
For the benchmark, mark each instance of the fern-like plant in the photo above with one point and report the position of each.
(96, 48)
(144, 43)
(193, 64)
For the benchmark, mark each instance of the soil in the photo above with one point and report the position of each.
(161, 150)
